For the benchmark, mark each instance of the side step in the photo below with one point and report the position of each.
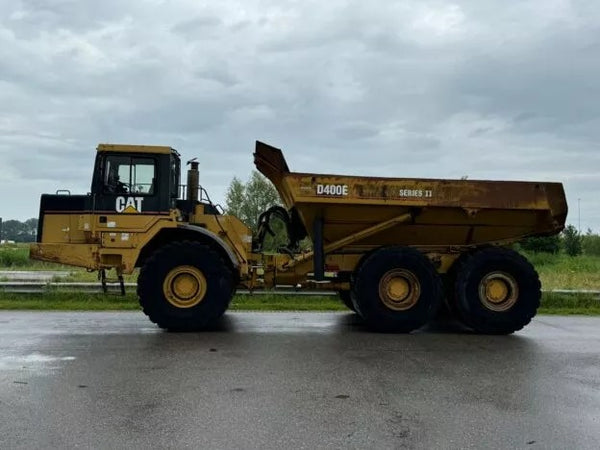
(106, 281)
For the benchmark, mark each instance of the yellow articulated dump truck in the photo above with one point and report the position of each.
(394, 249)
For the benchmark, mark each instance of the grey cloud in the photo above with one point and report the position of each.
(356, 131)
(29, 18)
(221, 75)
(197, 27)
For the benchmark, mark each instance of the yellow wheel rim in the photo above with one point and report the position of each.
(185, 286)
(399, 289)
(498, 291)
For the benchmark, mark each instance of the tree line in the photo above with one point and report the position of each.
(248, 200)
(17, 231)
(570, 241)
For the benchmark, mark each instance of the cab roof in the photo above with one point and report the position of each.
(135, 148)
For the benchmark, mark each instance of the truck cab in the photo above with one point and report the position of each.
(131, 179)
(135, 179)
(136, 204)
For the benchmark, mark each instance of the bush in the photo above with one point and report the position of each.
(572, 241)
(541, 259)
(591, 244)
(546, 244)
(11, 256)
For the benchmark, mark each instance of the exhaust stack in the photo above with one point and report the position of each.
(193, 179)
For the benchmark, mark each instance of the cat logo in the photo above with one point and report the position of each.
(129, 204)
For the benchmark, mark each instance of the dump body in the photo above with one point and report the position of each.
(441, 213)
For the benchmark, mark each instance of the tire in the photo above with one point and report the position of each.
(449, 280)
(497, 291)
(346, 298)
(397, 290)
(185, 286)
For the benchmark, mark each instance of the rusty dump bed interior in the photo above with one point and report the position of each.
(430, 212)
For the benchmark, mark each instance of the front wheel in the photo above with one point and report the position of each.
(185, 286)
(497, 291)
(346, 298)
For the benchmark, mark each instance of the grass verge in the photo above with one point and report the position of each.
(70, 301)
(567, 272)
(561, 304)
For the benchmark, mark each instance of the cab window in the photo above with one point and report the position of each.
(129, 175)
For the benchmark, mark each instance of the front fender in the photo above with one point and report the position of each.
(209, 234)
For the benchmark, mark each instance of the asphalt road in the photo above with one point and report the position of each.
(294, 380)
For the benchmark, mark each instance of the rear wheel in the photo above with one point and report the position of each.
(397, 289)
(497, 291)
(185, 286)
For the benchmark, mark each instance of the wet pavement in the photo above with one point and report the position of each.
(294, 380)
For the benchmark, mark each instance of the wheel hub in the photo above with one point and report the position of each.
(498, 291)
(399, 289)
(185, 286)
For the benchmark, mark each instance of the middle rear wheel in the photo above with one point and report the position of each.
(397, 289)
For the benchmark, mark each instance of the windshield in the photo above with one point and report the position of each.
(129, 175)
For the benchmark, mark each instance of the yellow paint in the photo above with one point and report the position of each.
(130, 209)
(496, 290)
(399, 289)
(134, 148)
(185, 286)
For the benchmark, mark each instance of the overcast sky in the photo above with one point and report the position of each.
(488, 89)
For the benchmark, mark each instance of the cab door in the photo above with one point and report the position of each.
(128, 185)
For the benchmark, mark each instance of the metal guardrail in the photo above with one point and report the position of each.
(39, 287)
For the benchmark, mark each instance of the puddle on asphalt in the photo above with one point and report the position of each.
(32, 361)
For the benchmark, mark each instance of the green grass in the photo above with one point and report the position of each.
(16, 257)
(70, 301)
(567, 272)
(561, 304)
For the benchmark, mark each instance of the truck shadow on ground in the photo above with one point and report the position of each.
(440, 325)
(348, 323)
